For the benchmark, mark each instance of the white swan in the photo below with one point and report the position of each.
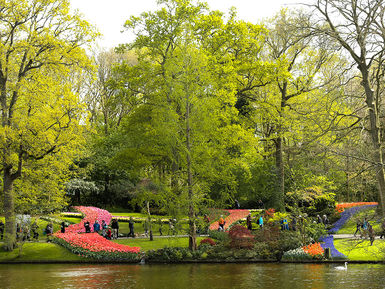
(342, 267)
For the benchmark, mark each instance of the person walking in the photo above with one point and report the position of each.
(115, 228)
(221, 223)
(131, 227)
(358, 227)
(372, 235)
(248, 222)
(325, 220)
(160, 226)
(104, 228)
(34, 229)
(96, 226)
(87, 227)
(260, 222)
(1, 229)
(145, 227)
(63, 227)
(49, 232)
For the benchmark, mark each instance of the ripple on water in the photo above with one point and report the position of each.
(82, 272)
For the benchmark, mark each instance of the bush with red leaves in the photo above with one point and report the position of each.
(241, 237)
(208, 241)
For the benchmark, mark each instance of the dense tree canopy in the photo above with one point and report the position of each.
(200, 109)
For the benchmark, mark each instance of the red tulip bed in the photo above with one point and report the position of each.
(93, 245)
(234, 216)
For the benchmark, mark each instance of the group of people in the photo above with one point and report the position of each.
(24, 232)
(108, 232)
(250, 224)
(366, 229)
(323, 220)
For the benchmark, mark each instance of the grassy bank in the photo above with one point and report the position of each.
(33, 251)
(360, 250)
(49, 252)
(157, 243)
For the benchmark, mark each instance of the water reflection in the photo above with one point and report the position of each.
(315, 276)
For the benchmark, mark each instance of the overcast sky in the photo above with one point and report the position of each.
(109, 16)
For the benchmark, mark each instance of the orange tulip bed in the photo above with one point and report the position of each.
(315, 250)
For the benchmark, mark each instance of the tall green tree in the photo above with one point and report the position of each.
(185, 132)
(358, 28)
(40, 46)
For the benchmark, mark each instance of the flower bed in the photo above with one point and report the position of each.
(315, 250)
(328, 242)
(296, 255)
(347, 214)
(234, 216)
(93, 245)
(91, 214)
(342, 206)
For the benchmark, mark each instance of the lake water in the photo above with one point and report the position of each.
(315, 276)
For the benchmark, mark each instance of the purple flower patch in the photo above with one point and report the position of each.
(328, 242)
(346, 215)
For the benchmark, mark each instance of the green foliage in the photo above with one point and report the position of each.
(311, 201)
(311, 231)
(175, 254)
(220, 236)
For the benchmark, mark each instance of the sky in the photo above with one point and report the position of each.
(109, 16)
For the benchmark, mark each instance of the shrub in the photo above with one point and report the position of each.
(289, 240)
(263, 250)
(240, 237)
(208, 241)
(219, 236)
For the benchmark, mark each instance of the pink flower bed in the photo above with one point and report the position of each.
(94, 245)
(91, 214)
(235, 215)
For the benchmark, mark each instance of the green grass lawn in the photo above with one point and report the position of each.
(360, 250)
(72, 219)
(350, 226)
(39, 252)
(157, 243)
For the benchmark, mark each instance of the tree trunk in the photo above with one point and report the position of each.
(279, 161)
(149, 220)
(9, 209)
(375, 136)
(191, 214)
(280, 173)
